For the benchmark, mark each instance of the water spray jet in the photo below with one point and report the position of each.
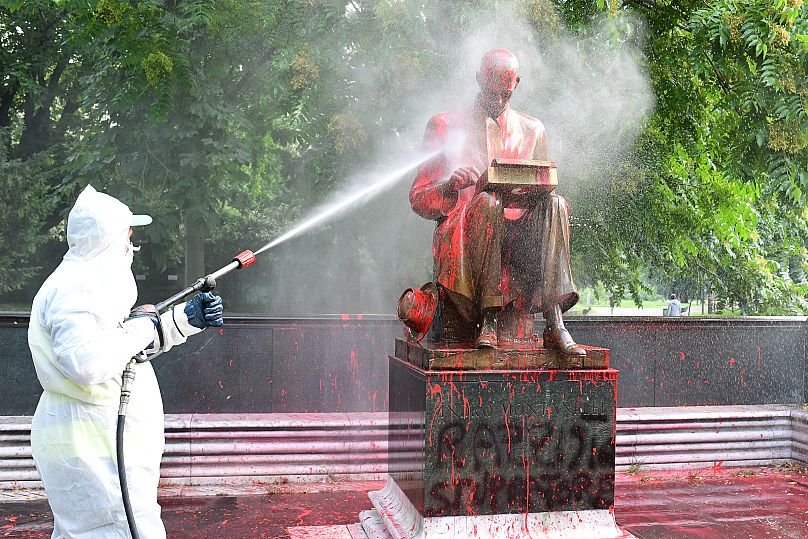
(332, 209)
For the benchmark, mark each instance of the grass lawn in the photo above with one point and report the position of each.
(649, 308)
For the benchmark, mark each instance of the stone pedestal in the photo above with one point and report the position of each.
(502, 451)
(529, 355)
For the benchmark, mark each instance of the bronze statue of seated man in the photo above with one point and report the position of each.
(490, 255)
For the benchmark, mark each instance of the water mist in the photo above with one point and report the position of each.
(345, 201)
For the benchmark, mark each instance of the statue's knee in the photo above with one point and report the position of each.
(559, 203)
(557, 199)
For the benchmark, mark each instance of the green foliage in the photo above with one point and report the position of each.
(762, 67)
(26, 201)
(723, 158)
(197, 108)
(38, 111)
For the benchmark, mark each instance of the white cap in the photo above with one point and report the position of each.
(141, 220)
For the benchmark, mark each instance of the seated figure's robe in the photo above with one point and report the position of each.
(488, 254)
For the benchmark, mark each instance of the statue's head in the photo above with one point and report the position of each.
(498, 77)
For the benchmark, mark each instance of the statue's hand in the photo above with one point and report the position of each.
(482, 181)
(464, 177)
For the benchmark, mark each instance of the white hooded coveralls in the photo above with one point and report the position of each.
(80, 345)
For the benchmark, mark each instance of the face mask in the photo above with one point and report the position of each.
(130, 252)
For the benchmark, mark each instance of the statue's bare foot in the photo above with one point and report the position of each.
(488, 332)
(560, 339)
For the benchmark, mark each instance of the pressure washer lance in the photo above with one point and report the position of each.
(203, 284)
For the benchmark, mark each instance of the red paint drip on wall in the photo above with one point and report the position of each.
(354, 365)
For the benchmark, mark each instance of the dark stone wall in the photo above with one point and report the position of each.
(695, 361)
(339, 363)
(281, 365)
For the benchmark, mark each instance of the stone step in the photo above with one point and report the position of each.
(320, 447)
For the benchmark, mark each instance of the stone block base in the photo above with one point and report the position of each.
(396, 518)
(493, 442)
(429, 355)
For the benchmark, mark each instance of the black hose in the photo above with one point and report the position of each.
(127, 504)
(127, 378)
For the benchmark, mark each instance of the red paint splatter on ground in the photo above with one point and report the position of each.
(303, 514)
(734, 503)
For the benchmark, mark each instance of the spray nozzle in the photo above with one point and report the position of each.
(245, 258)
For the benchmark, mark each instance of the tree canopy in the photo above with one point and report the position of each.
(716, 181)
(680, 129)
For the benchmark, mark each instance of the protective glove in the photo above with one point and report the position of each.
(205, 310)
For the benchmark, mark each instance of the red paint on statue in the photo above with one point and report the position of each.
(436, 392)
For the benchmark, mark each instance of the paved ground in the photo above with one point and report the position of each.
(726, 503)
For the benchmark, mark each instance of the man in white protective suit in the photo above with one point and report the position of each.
(81, 341)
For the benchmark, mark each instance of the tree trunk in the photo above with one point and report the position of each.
(194, 249)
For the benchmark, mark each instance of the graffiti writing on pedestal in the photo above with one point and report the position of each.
(511, 447)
